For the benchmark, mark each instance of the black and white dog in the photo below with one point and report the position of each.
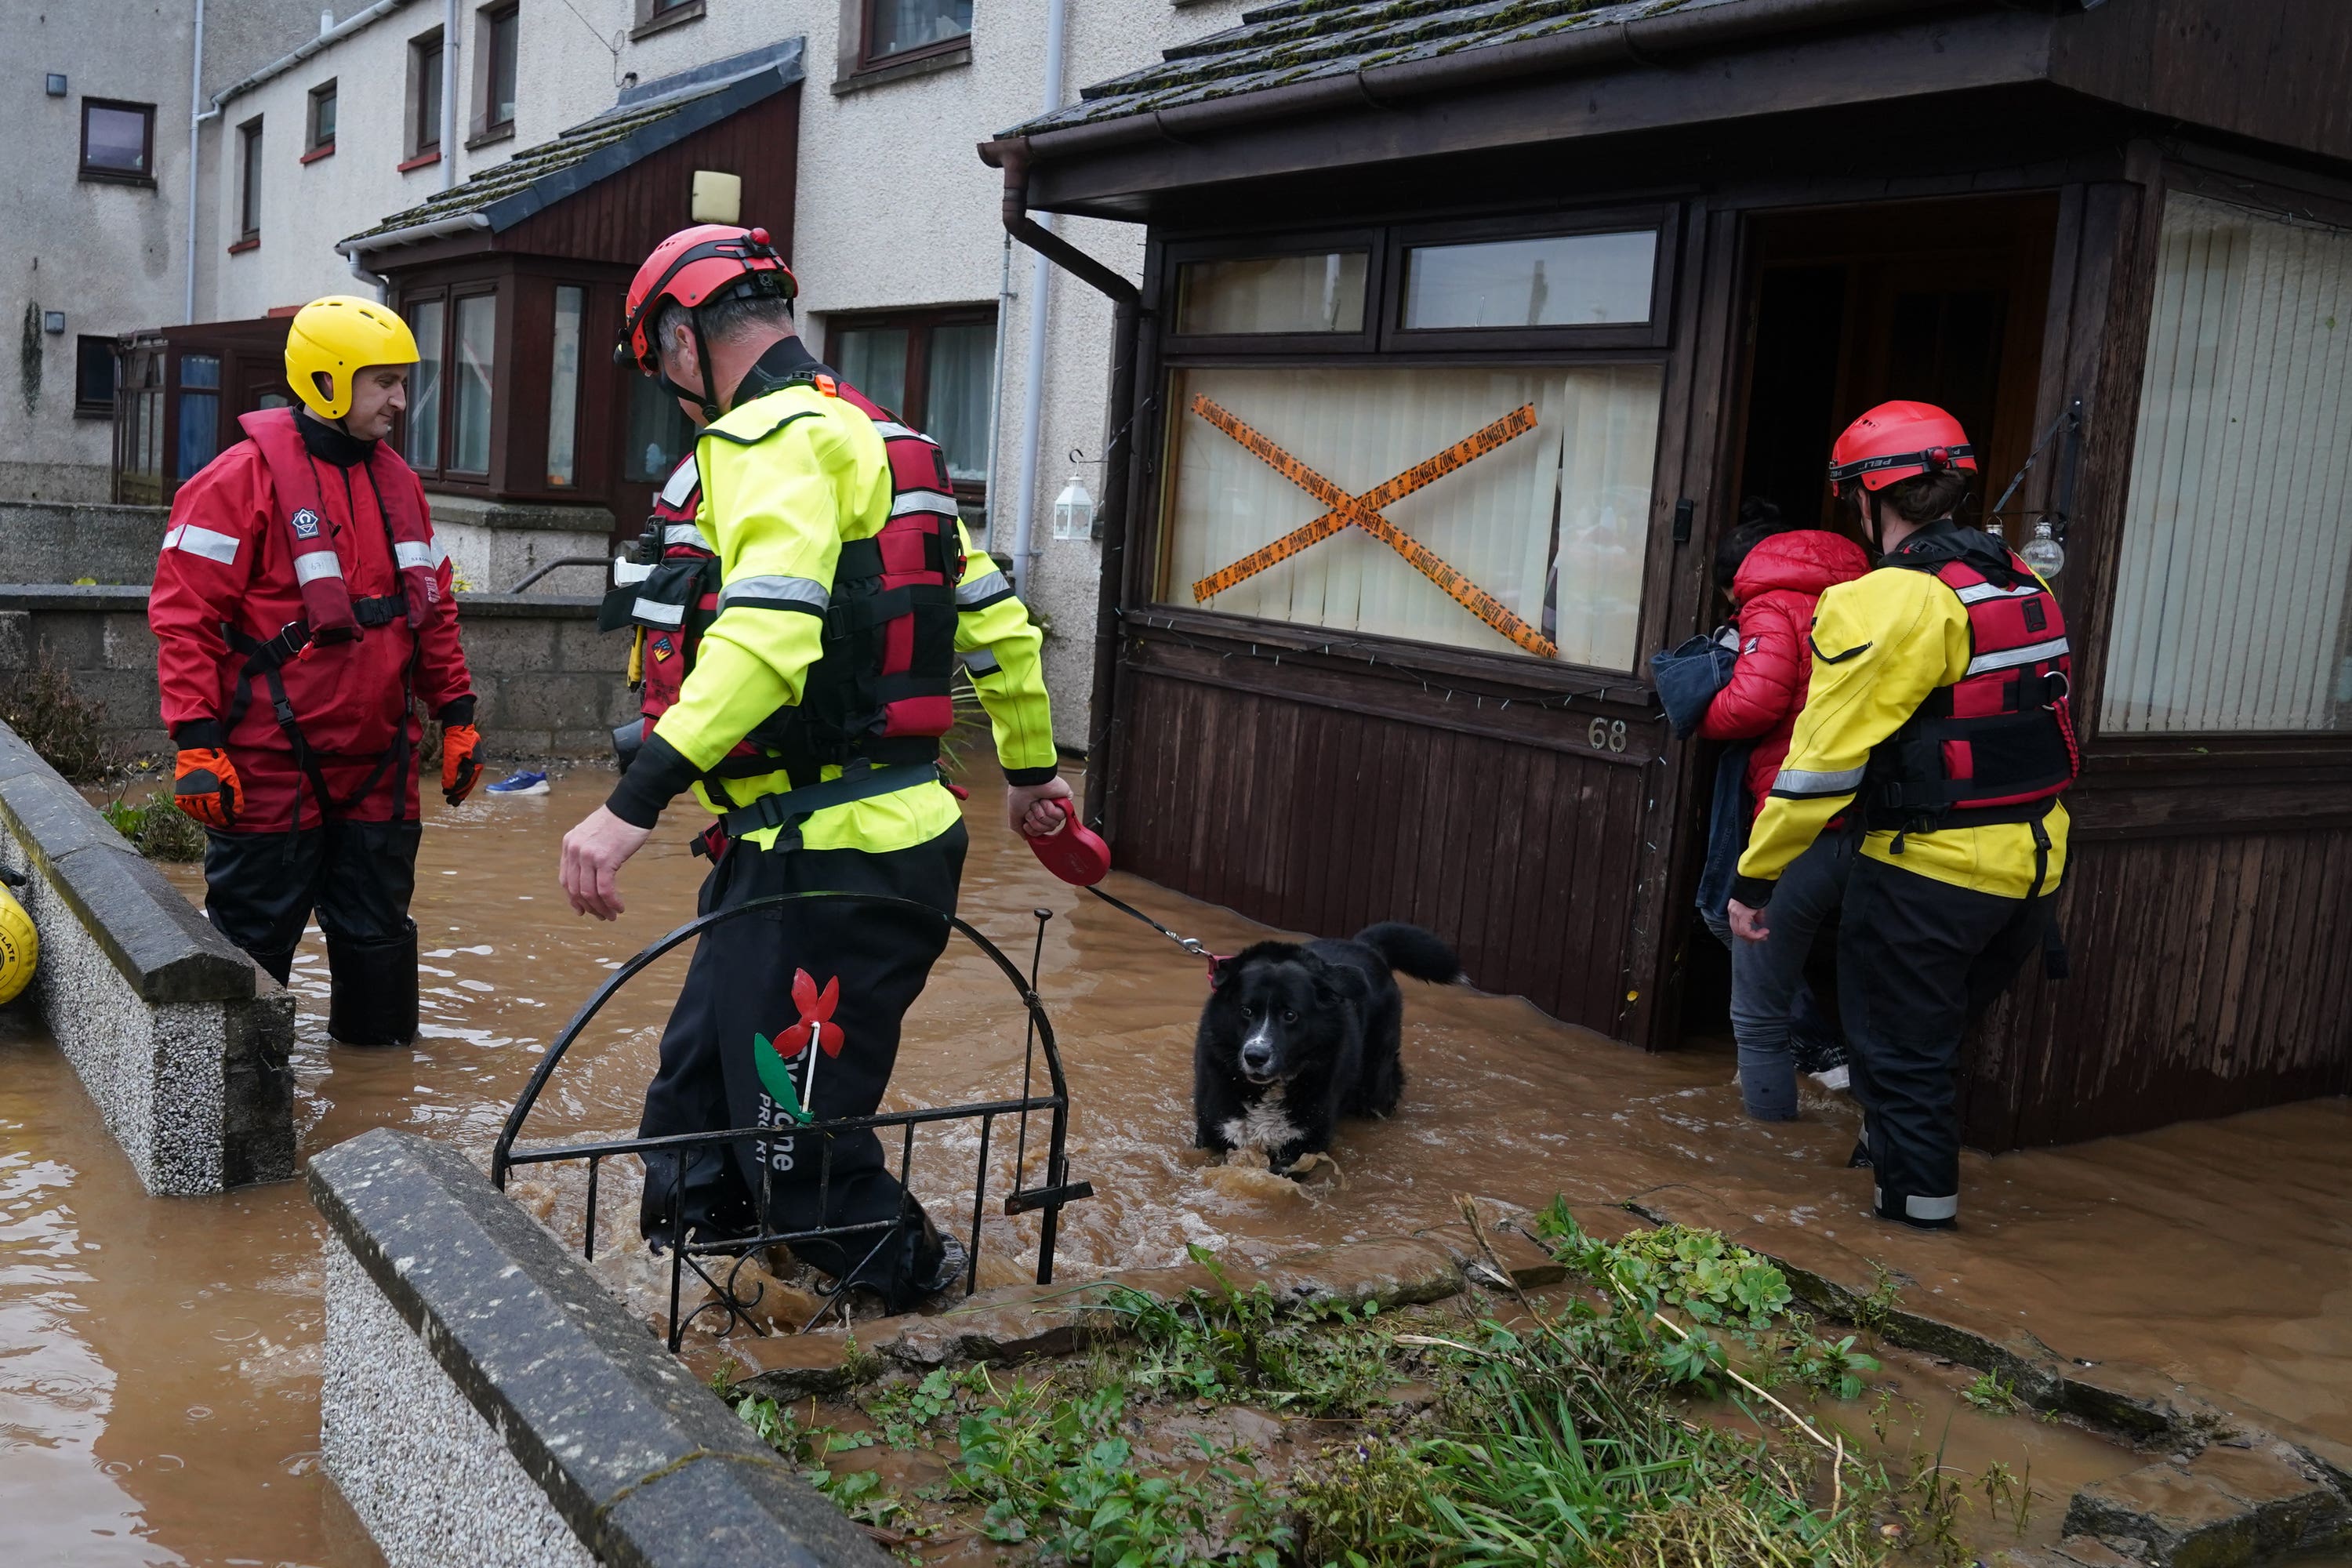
(1294, 1038)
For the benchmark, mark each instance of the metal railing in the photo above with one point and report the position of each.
(688, 1250)
(599, 562)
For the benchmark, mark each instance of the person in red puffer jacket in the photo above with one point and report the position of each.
(1774, 589)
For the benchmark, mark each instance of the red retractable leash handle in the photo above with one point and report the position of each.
(1074, 852)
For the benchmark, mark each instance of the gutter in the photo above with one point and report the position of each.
(1640, 41)
(414, 234)
(1127, 333)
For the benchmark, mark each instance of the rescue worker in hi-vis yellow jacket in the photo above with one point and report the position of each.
(1940, 706)
(818, 638)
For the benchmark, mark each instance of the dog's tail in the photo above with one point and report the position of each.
(1409, 949)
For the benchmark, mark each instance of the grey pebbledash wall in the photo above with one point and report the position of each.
(485, 1401)
(181, 1042)
(550, 686)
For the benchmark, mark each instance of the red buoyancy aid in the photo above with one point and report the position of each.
(302, 499)
(889, 642)
(1998, 745)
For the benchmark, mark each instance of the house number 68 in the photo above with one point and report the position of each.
(1607, 736)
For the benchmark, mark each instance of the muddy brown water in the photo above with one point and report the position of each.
(159, 1360)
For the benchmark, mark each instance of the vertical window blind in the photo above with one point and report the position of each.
(2237, 539)
(1552, 524)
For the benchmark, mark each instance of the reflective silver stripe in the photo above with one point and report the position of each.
(1978, 592)
(987, 585)
(907, 501)
(1932, 1208)
(317, 564)
(682, 484)
(980, 662)
(775, 593)
(892, 432)
(429, 555)
(655, 612)
(1797, 780)
(626, 572)
(204, 542)
(2008, 657)
(685, 533)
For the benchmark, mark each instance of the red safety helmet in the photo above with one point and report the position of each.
(695, 266)
(1896, 441)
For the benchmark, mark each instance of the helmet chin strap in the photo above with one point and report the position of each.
(707, 397)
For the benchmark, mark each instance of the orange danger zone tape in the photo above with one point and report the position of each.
(1364, 512)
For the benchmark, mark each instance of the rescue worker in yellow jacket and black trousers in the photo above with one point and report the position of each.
(808, 720)
(1938, 725)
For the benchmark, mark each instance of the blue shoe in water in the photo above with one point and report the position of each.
(521, 782)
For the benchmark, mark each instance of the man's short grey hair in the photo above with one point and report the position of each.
(727, 320)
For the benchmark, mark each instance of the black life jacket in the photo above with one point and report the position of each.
(881, 690)
(1998, 745)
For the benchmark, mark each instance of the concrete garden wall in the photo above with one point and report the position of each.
(179, 1039)
(485, 1401)
(550, 686)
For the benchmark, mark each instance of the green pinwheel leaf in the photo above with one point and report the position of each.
(776, 1077)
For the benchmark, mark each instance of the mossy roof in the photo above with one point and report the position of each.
(1300, 40)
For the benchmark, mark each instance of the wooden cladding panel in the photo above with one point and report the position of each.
(2208, 980)
(1318, 819)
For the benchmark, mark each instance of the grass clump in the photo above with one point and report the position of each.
(157, 828)
(65, 728)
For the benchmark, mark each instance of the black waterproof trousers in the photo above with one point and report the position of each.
(828, 979)
(1918, 961)
(260, 890)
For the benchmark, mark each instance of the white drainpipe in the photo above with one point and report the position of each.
(196, 119)
(450, 77)
(1033, 395)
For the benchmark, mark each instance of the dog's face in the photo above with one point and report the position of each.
(1283, 1005)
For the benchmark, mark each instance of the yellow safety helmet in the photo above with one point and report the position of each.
(20, 947)
(338, 337)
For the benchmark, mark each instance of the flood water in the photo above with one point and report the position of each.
(159, 1360)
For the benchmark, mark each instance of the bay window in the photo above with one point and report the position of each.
(934, 369)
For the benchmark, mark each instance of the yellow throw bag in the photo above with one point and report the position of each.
(20, 947)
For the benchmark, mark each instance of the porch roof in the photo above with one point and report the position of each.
(647, 118)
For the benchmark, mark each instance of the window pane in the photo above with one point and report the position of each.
(900, 24)
(424, 317)
(874, 360)
(117, 138)
(323, 119)
(2230, 607)
(199, 432)
(200, 370)
(94, 373)
(1275, 294)
(1567, 280)
(659, 433)
(428, 97)
(563, 385)
(477, 351)
(1551, 524)
(963, 360)
(252, 180)
(503, 32)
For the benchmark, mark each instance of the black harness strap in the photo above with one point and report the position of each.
(267, 658)
(859, 781)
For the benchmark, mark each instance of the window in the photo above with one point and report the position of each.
(935, 369)
(474, 353)
(322, 135)
(424, 87)
(200, 379)
(659, 433)
(563, 388)
(117, 141)
(426, 318)
(500, 34)
(93, 376)
(895, 27)
(1561, 280)
(1259, 294)
(249, 180)
(2236, 553)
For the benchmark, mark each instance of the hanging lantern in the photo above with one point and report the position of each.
(1074, 511)
(2042, 552)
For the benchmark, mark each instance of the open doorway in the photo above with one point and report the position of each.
(1844, 308)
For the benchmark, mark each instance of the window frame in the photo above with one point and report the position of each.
(653, 15)
(868, 61)
(315, 146)
(920, 323)
(85, 407)
(1653, 343)
(501, 18)
(250, 149)
(98, 174)
(450, 293)
(422, 140)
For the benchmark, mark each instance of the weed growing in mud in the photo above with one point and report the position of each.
(1875, 1311)
(49, 714)
(1225, 1343)
(1992, 1395)
(860, 1494)
(157, 828)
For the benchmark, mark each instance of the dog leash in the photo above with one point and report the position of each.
(1189, 944)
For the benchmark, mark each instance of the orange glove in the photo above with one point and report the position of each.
(459, 766)
(205, 787)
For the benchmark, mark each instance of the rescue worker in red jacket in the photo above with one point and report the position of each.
(1776, 588)
(1937, 714)
(798, 640)
(303, 613)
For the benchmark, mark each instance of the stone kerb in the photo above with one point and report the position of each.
(486, 1400)
(180, 1041)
